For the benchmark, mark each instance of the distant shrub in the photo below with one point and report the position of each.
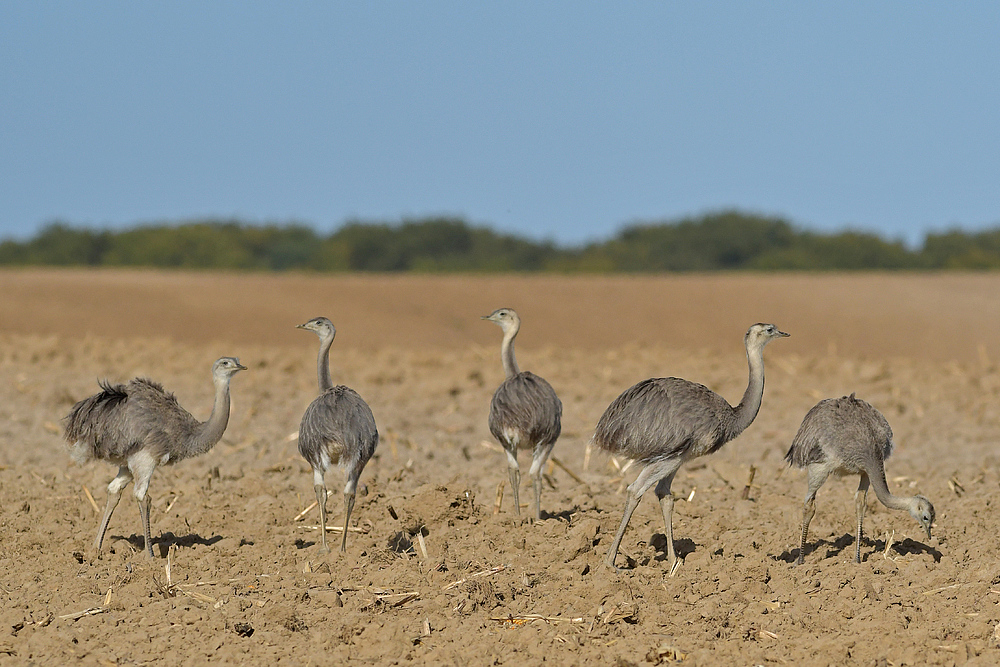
(721, 241)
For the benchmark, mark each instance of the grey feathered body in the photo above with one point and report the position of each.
(124, 418)
(338, 427)
(847, 436)
(666, 418)
(525, 411)
(842, 433)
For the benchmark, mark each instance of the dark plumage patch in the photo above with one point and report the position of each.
(82, 424)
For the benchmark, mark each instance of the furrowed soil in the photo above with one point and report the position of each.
(433, 574)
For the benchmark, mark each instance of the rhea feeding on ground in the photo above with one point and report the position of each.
(847, 436)
(525, 412)
(139, 426)
(663, 422)
(337, 428)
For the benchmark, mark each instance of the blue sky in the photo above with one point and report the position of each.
(558, 120)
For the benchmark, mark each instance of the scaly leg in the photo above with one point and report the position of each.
(142, 464)
(115, 489)
(807, 514)
(651, 474)
(321, 501)
(349, 504)
(144, 504)
(860, 502)
(515, 477)
(538, 459)
(350, 490)
(631, 502)
(816, 476)
(667, 505)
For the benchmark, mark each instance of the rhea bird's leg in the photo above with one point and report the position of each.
(667, 505)
(349, 496)
(144, 504)
(515, 474)
(650, 475)
(808, 511)
(860, 502)
(816, 475)
(631, 501)
(142, 465)
(319, 486)
(538, 459)
(115, 489)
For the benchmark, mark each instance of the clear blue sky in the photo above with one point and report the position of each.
(561, 120)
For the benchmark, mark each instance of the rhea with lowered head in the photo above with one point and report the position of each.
(663, 422)
(847, 436)
(139, 426)
(525, 412)
(337, 428)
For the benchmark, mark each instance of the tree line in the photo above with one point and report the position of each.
(726, 240)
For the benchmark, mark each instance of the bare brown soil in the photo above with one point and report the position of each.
(245, 581)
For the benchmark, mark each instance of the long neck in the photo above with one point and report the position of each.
(323, 364)
(510, 368)
(211, 431)
(747, 410)
(877, 476)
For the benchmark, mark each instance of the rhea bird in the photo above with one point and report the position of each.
(139, 426)
(847, 436)
(337, 428)
(525, 412)
(663, 422)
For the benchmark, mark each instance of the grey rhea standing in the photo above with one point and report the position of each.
(525, 412)
(337, 428)
(847, 436)
(139, 426)
(663, 422)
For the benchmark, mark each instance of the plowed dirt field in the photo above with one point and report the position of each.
(237, 577)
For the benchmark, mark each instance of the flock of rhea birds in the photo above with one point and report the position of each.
(659, 422)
